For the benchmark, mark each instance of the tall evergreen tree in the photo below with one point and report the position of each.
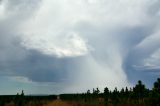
(157, 85)
(139, 90)
(106, 96)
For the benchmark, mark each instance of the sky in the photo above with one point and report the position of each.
(66, 46)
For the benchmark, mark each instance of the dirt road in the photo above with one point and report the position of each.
(57, 102)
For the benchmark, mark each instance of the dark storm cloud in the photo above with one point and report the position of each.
(136, 62)
(15, 60)
(38, 67)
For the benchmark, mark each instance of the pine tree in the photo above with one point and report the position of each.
(106, 95)
(157, 85)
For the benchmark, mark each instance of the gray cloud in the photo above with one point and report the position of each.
(82, 43)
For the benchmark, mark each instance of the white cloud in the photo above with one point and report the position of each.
(151, 41)
(69, 45)
(49, 31)
(152, 62)
(60, 18)
(149, 51)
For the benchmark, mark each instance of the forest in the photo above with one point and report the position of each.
(138, 95)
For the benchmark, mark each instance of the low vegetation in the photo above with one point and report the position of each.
(21, 100)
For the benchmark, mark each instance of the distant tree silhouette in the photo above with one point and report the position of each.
(97, 91)
(140, 93)
(139, 90)
(22, 93)
(115, 96)
(157, 85)
(126, 92)
(106, 96)
(88, 92)
(154, 96)
(20, 99)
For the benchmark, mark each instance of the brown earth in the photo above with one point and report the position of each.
(60, 102)
(57, 102)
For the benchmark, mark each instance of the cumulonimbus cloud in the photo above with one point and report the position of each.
(66, 41)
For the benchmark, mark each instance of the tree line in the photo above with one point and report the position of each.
(25, 100)
(138, 95)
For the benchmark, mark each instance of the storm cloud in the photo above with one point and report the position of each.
(78, 45)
